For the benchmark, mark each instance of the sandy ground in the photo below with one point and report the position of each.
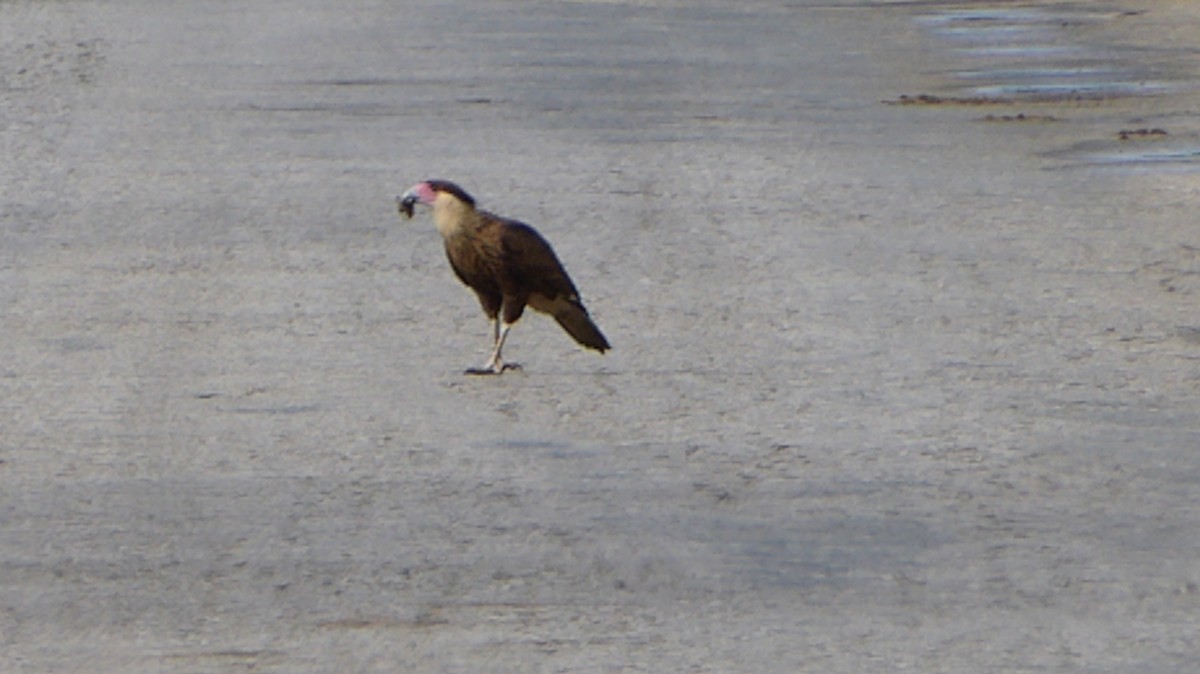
(894, 387)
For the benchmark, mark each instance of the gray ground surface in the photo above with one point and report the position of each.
(893, 388)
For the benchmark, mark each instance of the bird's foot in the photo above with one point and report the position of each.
(494, 368)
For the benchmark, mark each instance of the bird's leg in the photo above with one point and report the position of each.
(496, 364)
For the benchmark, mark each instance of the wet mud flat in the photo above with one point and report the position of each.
(906, 386)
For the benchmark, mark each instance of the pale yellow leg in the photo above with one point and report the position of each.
(496, 364)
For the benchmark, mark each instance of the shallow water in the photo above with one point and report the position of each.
(1047, 55)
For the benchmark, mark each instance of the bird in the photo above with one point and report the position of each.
(508, 265)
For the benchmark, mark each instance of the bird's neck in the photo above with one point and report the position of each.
(455, 219)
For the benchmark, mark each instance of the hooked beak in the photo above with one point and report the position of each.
(406, 203)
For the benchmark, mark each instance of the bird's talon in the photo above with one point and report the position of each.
(494, 369)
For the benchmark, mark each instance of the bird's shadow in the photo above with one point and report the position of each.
(487, 371)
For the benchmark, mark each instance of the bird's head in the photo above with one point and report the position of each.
(430, 193)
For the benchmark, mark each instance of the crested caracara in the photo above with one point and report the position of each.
(508, 265)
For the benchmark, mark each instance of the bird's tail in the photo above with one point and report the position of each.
(575, 320)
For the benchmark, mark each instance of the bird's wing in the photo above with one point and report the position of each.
(473, 269)
(530, 262)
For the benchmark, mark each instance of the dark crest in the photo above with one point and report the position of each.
(458, 192)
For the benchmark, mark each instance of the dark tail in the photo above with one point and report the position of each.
(575, 320)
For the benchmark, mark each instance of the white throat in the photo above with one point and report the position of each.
(452, 217)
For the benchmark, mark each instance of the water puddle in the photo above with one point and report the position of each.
(1175, 159)
(1071, 90)
(985, 16)
(1047, 72)
(1022, 51)
(994, 34)
(1036, 54)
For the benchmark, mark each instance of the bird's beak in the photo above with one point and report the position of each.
(406, 203)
